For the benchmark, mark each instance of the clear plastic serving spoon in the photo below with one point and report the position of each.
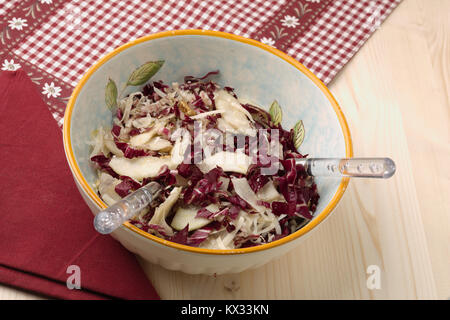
(113, 217)
(382, 168)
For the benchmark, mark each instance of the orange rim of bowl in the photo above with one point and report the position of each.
(90, 192)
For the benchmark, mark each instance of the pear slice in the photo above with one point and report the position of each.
(140, 168)
(179, 148)
(243, 190)
(143, 138)
(228, 161)
(269, 193)
(159, 144)
(235, 118)
(186, 215)
(106, 187)
(164, 208)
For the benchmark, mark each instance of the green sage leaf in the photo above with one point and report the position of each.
(298, 134)
(111, 94)
(142, 74)
(276, 115)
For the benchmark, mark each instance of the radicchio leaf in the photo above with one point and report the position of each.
(255, 179)
(148, 90)
(159, 229)
(190, 171)
(181, 236)
(244, 242)
(116, 130)
(100, 159)
(238, 201)
(285, 231)
(134, 132)
(233, 212)
(103, 164)
(206, 214)
(198, 237)
(126, 186)
(188, 79)
(230, 90)
(290, 170)
(203, 190)
(279, 208)
(130, 152)
(160, 85)
(292, 186)
(303, 210)
(166, 177)
(119, 114)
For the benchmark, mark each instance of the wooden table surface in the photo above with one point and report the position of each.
(395, 94)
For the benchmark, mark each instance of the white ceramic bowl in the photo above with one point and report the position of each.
(258, 72)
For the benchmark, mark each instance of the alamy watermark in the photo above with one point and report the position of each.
(72, 18)
(74, 279)
(373, 22)
(247, 147)
(373, 281)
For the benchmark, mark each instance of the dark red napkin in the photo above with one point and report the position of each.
(45, 226)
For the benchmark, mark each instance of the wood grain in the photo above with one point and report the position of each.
(395, 94)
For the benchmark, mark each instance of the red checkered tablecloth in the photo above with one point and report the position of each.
(56, 41)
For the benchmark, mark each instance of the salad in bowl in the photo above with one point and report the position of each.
(227, 167)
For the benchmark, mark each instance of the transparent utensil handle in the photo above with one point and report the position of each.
(382, 168)
(111, 218)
